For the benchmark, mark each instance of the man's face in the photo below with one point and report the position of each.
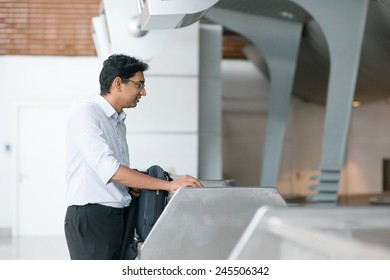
(132, 90)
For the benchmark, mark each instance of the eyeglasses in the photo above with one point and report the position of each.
(137, 84)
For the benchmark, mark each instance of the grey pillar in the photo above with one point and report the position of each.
(279, 42)
(280, 48)
(342, 22)
(210, 103)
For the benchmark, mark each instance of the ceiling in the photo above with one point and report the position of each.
(311, 78)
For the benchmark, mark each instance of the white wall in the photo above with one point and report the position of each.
(245, 101)
(31, 81)
(368, 145)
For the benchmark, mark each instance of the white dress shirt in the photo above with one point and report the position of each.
(95, 147)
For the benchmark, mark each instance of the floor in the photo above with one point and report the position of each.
(33, 248)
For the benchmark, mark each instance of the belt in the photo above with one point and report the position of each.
(101, 208)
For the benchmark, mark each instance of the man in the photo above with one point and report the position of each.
(97, 166)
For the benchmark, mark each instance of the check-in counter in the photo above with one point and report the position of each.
(205, 223)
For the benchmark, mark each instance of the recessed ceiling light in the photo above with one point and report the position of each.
(287, 14)
(356, 104)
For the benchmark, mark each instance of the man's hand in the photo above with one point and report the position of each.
(184, 181)
(134, 192)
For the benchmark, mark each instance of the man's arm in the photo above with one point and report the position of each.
(134, 179)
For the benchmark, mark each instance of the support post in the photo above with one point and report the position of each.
(343, 23)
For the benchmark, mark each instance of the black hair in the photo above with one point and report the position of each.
(119, 65)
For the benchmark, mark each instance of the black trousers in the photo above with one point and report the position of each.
(94, 232)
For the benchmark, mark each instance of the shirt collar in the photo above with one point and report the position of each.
(109, 110)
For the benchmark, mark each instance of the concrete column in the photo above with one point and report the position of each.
(210, 102)
(342, 22)
(279, 42)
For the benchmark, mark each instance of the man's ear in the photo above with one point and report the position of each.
(116, 83)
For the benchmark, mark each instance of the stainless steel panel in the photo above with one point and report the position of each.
(205, 223)
(316, 233)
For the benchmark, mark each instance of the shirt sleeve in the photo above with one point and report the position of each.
(85, 129)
